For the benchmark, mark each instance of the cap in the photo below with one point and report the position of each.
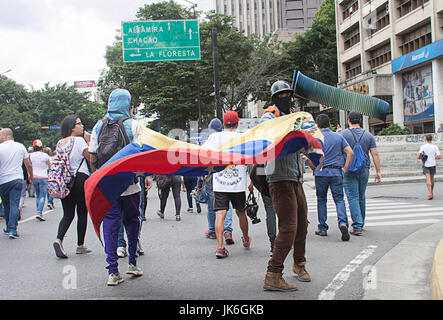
(37, 143)
(215, 125)
(230, 117)
(355, 115)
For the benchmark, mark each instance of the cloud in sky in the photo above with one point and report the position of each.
(59, 41)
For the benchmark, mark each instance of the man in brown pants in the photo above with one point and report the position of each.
(285, 178)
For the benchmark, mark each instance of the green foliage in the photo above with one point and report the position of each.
(394, 130)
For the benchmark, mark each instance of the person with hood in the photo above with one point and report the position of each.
(127, 205)
(285, 178)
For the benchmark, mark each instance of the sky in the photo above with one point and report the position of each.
(60, 41)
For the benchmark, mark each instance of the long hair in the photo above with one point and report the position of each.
(67, 125)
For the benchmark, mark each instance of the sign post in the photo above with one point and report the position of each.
(161, 40)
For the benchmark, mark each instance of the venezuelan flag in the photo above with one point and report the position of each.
(158, 154)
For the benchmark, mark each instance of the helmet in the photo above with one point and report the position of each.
(252, 208)
(280, 86)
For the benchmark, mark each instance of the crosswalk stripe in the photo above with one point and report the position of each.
(401, 223)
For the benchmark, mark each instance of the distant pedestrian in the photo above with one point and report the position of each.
(355, 183)
(190, 184)
(12, 155)
(51, 157)
(331, 176)
(72, 139)
(229, 185)
(428, 153)
(173, 183)
(40, 166)
(118, 122)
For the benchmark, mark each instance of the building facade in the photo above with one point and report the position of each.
(393, 50)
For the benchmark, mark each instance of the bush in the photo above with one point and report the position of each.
(394, 130)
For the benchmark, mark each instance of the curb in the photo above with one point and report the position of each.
(436, 281)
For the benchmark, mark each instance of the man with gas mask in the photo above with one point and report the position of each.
(285, 178)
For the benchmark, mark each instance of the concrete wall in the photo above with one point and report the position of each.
(399, 153)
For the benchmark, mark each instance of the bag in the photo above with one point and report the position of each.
(111, 139)
(423, 157)
(164, 182)
(252, 208)
(259, 180)
(60, 175)
(359, 160)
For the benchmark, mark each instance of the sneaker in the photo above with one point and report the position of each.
(431, 196)
(13, 235)
(40, 217)
(210, 235)
(115, 279)
(246, 244)
(178, 218)
(50, 206)
(59, 251)
(322, 233)
(134, 270)
(221, 253)
(199, 208)
(189, 210)
(344, 233)
(121, 252)
(228, 238)
(357, 232)
(140, 250)
(82, 250)
(5, 230)
(160, 214)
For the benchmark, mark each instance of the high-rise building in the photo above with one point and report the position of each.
(393, 49)
(262, 17)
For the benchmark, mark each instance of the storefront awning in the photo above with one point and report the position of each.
(424, 54)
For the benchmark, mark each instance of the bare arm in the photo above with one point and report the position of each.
(92, 159)
(349, 157)
(376, 159)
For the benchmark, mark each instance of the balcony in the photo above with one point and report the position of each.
(416, 17)
(377, 37)
(351, 53)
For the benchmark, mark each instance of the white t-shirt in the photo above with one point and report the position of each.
(232, 179)
(39, 162)
(76, 156)
(12, 155)
(431, 151)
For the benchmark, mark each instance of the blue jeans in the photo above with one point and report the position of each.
(10, 193)
(41, 189)
(211, 212)
(355, 187)
(322, 183)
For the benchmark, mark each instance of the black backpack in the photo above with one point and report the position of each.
(111, 139)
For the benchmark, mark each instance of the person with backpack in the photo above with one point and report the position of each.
(356, 179)
(69, 165)
(330, 175)
(109, 135)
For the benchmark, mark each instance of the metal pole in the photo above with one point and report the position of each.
(218, 109)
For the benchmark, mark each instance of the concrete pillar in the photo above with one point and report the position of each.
(397, 101)
(437, 86)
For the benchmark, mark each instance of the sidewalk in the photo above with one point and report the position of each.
(412, 270)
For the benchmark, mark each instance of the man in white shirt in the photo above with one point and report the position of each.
(12, 155)
(229, 185)
(430, 153)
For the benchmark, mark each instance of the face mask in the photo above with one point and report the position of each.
(284, 104)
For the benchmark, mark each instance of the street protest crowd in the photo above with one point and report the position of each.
(61, 173)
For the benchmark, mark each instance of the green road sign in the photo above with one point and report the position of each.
(162, 40)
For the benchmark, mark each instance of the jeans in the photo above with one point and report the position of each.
(41, 189)
(322, 183)
(211, 212)
(289, 202)
(355, 187)
(10, 193)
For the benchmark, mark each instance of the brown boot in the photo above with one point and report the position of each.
(275, 282)
(300, 270)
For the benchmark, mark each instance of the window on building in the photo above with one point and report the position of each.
(352, 68)
(406, 6)
(416, 39)
(380, 55)
(349, 8)
(352, 37)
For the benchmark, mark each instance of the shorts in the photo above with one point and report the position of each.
(430, 170)
(221, 200)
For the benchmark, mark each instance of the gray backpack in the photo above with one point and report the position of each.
(111, 139)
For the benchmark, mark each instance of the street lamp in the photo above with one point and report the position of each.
(5, 72)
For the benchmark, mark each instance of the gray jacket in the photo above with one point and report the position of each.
(288, 168)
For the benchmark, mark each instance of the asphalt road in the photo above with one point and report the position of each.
(180, 264)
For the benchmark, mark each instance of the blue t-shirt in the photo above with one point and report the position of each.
(367, 141)
(333, 148)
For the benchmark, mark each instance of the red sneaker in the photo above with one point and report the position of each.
(431, 196)
(228, 238)
(357, 232)
(221, 253)
(210, 235)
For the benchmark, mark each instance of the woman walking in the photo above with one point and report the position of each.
(163, 192)
(72, 138)
(40, 166)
